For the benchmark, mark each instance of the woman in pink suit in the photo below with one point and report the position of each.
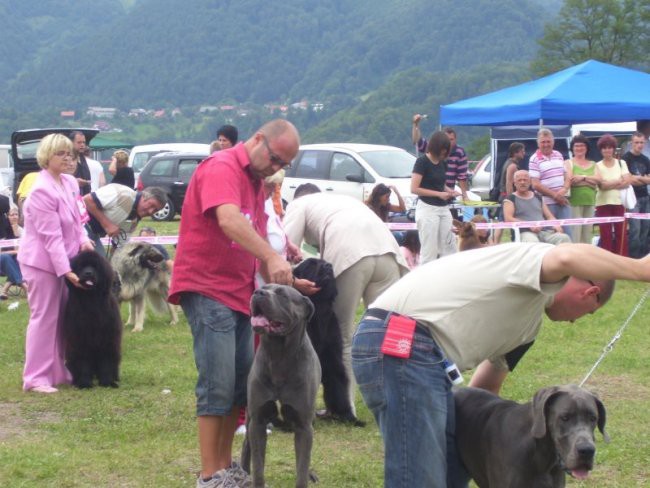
(53, 234)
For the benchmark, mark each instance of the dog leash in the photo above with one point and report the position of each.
(608, 348)
(114, 243)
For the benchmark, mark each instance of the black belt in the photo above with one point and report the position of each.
(380, 313)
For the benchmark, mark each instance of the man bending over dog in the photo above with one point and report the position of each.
(222, 233)
(111, 206)
(434, 313)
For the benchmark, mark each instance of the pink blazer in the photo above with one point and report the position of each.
(53, 230)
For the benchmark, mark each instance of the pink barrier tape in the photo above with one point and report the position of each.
(632, 215)
(539, 223)
(8, 243)
(149, 239)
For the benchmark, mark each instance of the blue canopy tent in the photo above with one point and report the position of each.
(588, 92)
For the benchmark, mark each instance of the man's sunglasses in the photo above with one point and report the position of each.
(274, 158)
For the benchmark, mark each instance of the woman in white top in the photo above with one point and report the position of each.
(615, 177)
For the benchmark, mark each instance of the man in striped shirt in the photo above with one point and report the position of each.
(549, 177)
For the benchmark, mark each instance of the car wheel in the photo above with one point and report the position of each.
(166, 213)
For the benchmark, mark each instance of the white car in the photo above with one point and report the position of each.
(351, 169)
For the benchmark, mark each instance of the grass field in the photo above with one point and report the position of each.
(143, 434)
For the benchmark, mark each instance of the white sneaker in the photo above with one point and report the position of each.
(241, 430)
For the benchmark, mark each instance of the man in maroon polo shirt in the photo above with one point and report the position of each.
(222, 235)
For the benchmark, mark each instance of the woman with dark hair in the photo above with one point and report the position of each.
(584, 177)
(432, 214)
(411, 248)
(379, 201)
(615, 177)
(8, 257)
(227, 136)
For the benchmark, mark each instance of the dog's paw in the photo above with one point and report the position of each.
(137, 329)
(312, 476)
(173, 321)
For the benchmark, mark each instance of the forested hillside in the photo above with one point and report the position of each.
(372, 63)
(65, 53)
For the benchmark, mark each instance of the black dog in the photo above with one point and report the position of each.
(92, 326)
(325, 335)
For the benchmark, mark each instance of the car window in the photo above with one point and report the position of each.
(142, 158)
(162, 167)
(314, 165)
(186, 169)
(343, 165)
(390, 163)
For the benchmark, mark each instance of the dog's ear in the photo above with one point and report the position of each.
(602, 417)
(540, 401)
(456, 223)
(136, 249)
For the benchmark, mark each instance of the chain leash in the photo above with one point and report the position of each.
(608, 348)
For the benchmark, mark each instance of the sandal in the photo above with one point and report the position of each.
(3, 296)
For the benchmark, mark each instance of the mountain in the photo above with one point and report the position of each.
(66, 53)
(372, 63)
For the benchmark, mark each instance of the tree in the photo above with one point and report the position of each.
(612, 31)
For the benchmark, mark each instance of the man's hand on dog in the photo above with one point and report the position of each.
(277, 270)
(305, 287)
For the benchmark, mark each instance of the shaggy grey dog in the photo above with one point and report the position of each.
(143, 274)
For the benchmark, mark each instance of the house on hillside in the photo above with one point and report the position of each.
(102, 112)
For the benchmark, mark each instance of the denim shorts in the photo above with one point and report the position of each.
(223, 353)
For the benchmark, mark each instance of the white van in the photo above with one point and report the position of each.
(140, 155)
(6, 170)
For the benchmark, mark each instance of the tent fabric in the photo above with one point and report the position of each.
(588, 92)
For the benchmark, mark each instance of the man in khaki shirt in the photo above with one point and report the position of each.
(364, 254)
(481, 307)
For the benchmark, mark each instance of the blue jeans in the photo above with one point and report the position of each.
(640, 229)
(9, 267)
(412, 403)
(223, 353)
(562, 212)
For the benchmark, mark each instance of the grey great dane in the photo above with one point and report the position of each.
(504, 444)
(286, 370)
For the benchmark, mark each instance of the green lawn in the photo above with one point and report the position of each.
(143, 434)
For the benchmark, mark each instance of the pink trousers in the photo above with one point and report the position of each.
(44, 360)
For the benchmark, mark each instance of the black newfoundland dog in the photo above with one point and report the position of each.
(92, 326)
(325, 334)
